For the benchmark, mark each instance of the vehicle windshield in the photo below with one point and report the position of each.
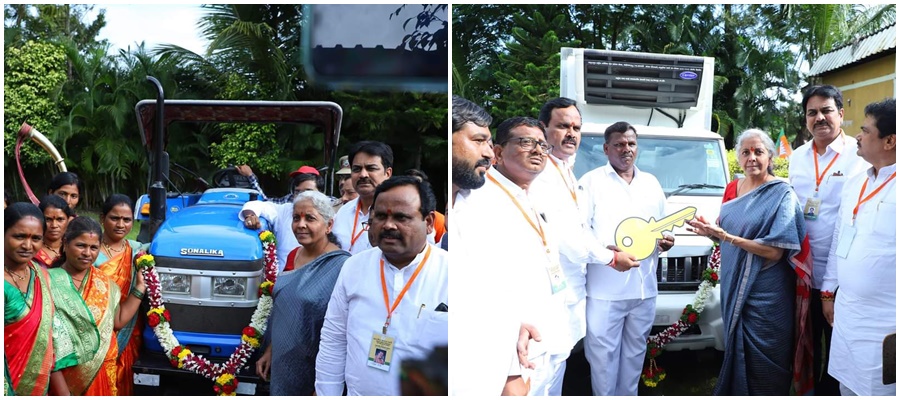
(673, 161)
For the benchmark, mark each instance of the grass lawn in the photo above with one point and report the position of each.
(95, 215)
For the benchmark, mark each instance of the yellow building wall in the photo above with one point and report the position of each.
(860, 86)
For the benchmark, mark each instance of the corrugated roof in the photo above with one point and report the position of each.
(856, 50)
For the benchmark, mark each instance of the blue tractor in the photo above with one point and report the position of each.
(209, 265)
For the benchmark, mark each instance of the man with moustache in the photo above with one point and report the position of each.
(371, 163)
(557, 193)
(521, 261)
(863, 261)
(818, 171)
(621, 303)
(392, 297)
(497, 370)
(472, 152)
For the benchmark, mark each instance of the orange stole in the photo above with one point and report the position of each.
(101, 299)
(121, 271)
(104, 383)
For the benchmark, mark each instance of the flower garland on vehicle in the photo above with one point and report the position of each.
(223, 375)
(653, 374)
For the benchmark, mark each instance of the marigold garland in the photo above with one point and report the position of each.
(653, 374)
(223, 375)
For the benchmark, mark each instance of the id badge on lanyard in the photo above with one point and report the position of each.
(381, 351)
(811, 209)
(557, 276)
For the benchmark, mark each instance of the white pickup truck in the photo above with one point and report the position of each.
(668, 99)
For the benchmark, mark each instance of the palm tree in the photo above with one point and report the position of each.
(818, 28)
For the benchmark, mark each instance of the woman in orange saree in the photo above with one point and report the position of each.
(30, 349)
(77, 284)
(115, 260)
(57, 214)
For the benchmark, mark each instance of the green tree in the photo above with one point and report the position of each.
(755, 68)
(529, 69)
(50, 22)
(33, 75)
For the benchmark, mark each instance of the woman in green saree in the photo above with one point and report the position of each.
(33, 353)
(81, 289)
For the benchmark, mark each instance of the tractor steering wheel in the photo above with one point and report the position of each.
(230, 178)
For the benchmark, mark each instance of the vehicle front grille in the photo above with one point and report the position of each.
(680, 273)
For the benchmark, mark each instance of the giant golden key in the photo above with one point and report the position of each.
(638, 237)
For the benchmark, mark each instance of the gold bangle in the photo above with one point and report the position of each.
(726, 238)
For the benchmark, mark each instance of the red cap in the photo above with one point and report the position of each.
(305, 170)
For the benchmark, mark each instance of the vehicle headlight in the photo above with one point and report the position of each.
(175, 283)
(225, 286)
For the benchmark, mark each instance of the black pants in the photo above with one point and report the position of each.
(823, 383)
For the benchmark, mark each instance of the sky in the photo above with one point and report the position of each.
(154, 24)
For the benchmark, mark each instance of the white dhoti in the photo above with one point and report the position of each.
(616, 343)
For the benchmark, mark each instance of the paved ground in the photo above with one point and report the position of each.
(687, 373)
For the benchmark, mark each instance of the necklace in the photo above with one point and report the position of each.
(50, 249)
(110, 250)
(14, 275)
(16, 278)
(74, 279)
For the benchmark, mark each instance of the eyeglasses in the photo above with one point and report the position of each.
(529, 144)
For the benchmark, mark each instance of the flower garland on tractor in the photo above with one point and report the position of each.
(223, 375)
(653, 374)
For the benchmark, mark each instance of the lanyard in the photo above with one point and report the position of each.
(354, 236)
(571, 191)
(860, 200)
(390, 310)
(539, 229)
(816, 159)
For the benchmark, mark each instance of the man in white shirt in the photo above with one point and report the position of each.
(817, 171)
(280, 215)
(621, 304)
(863, 261)
(497, 368)
(501, 233)
(390, 299)
(370, 164)
(556, 192)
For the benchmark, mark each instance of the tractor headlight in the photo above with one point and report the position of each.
(224, 286)
(175, 283)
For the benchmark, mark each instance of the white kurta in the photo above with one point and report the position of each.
(498, 235)
(620, 305)
(866, 303)
(608, 201)
(558, 194)
(485, 357)
(280, 217)
(802, 171)
(356, 310)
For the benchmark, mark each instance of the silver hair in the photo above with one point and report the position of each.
(320, 201)
(767, 142)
